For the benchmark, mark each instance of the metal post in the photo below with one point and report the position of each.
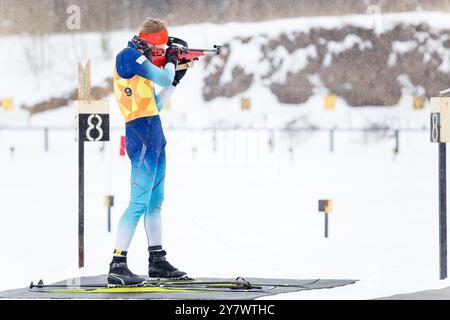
(80, 201)
(270, 141)
(109, 218)
(397, 141)
(214, 141)
(331, 140)
(442, 211)
(326, 225)
(46, 139)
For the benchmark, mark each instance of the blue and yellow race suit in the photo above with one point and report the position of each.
(134, 78)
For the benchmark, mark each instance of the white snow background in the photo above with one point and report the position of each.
(239, 211)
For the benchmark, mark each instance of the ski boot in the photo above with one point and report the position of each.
(120, 275)
(160, 268)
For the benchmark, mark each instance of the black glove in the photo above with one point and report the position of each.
(143, 46)
(178, 75)
(172, 56)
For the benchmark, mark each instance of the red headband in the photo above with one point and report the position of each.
(160, 37)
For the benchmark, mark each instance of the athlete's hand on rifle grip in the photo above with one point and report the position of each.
(172, 56)
(178, 75)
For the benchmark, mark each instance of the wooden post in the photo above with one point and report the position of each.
(84, 94)
(84, 82)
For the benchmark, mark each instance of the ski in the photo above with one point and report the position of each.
(140, 289)
(238, 282)
(168, 285)
(149, 286)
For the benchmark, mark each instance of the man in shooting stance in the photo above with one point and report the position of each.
(134, 79)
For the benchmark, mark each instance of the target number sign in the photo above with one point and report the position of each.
(92, 120)
(435, 127)
(440, 119)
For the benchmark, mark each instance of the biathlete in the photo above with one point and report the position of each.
(134, 78)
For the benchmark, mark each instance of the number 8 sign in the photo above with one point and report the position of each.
(435, 127)
(93, 120)
(440, 119)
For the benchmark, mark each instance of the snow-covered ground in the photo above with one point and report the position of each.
(239, 211)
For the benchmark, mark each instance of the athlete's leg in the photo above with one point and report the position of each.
(152, 218)
(158, 266)
(143, 173)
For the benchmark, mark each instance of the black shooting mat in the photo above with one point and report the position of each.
(268, 287)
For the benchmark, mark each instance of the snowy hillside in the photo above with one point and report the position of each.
(364, 66)
(275, 63)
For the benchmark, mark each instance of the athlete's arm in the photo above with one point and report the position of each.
(163, 77)
(134, 62)
(163, 96)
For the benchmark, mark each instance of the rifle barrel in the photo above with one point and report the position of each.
(200, 50)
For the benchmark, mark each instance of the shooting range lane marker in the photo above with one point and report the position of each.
(326, 206)
(440, 133)
(92, 124)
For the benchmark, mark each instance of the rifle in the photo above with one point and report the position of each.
(186, 55)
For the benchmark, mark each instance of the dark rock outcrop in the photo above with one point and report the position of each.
(357, 64)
